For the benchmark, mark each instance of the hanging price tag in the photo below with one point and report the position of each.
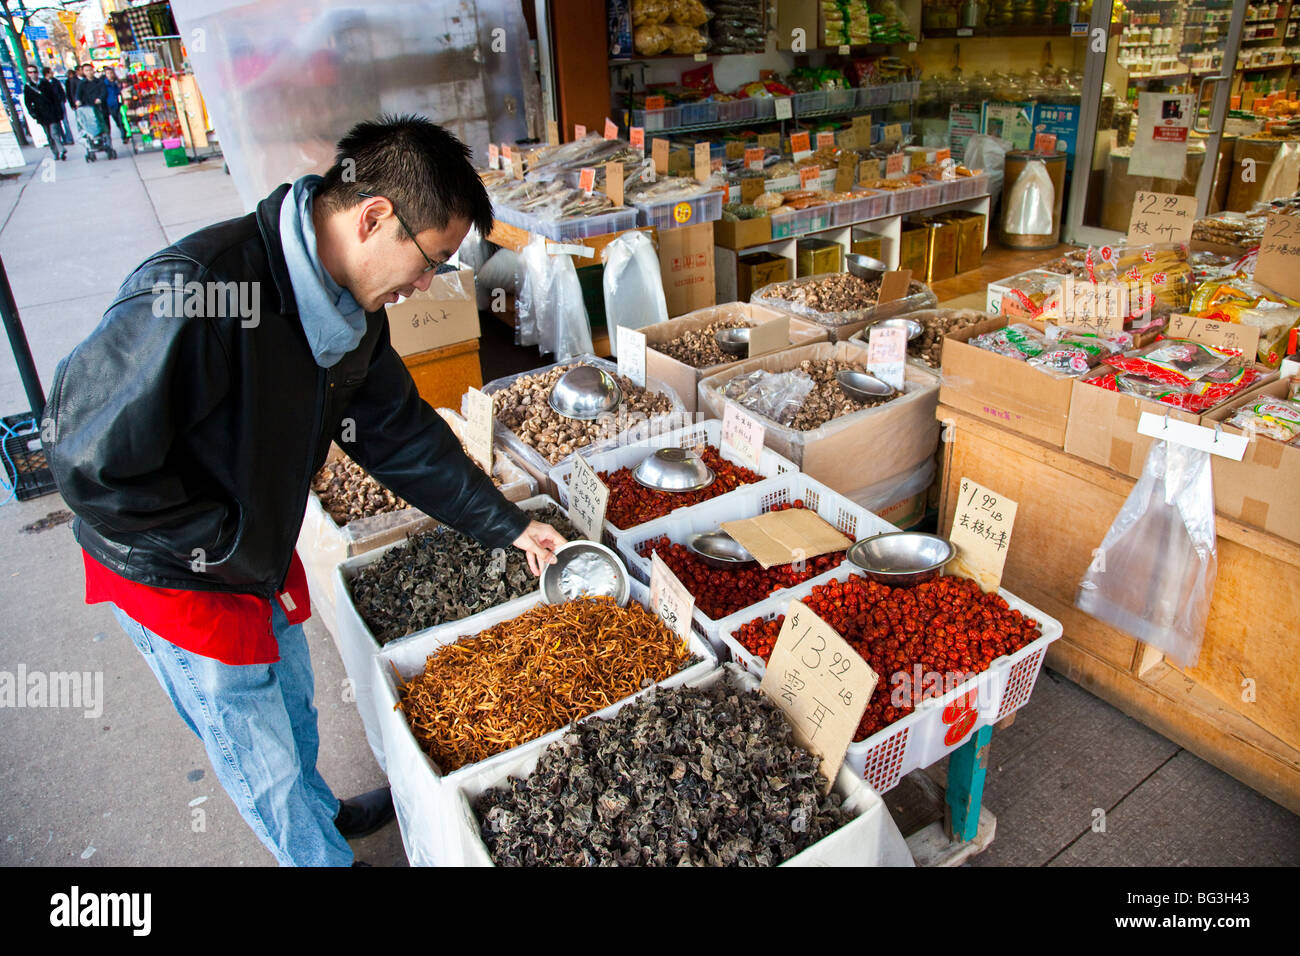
(494, 156)
(894, 166)
(800, 145)
(579, 131)
(783, 108)
(631, 354)
(754, 158)
(1161, 217)
(587, 179)
(611, 129)
(478, 428)
(669, 598)
(614, 183)
(887, 354)
(820, 683)
(742, 436)
(636, 136)
(552, 132)
(825, 140)
(703, 165)
(809, 177)
(659, 153)
(981, 530)
(588, 498)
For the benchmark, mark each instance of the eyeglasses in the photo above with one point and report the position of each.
(431, 264)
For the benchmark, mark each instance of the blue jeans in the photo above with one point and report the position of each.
(258, 724)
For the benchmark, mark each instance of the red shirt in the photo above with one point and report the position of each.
(231, 628)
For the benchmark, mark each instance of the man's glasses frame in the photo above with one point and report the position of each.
(431, 264)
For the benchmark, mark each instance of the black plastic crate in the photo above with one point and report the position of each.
(24, 460)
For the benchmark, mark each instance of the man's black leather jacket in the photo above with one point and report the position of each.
(186, 444)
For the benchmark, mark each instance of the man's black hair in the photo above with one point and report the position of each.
(422, 169)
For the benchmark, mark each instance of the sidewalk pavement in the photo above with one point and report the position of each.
(131, 786)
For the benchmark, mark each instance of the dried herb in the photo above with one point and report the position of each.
(534, 673)
(442, 575)
(685, 776)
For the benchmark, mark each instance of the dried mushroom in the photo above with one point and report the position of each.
(699, 349)
(347, 492)
(825, 402)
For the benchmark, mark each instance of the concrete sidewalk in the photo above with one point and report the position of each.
(131, 786)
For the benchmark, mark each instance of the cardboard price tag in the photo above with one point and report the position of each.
(552, 132)
(631, 354)
(754, 158)
(1094, 306)
(742, 436)
(1161, 217)
(894, 166)
(825, 140)
(844, 171)
(614, 183)
(769, 336)
(821, 683)
(800, 145)
(868, 170)
(655, 102)
(809, 177)
(636, 136)
(784, 537)
(887, 355)
(579, 131)
(784, 110)
(659, 153)
(894, 285)
(770, 141)
(669, 598)
(981, 530)
(611, 129)
(1278, 266)
(1228, 335)
(478, 428)
(893, 133)
(862, 131)
(751, 188)
(588, 498)
(494, 156)
(847, 139)
(703, 165)
(587, 179)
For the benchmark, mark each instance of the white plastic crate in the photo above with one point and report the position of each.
(655, 120)
(671, 213)
(708, 432)
(813, 102)
(871, 838)
(841, 99)
(750, 501)
(584, 227)
(871, 204)
(424, 796)
(357, 645)
(737, 111)
(693, 114)
(876, 95)
(937, 726)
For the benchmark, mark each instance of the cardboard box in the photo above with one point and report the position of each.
(757, 270)
(1263, 489)
(446, 313)
(1034, 279)
(683, 378)
(1002, 390)
(742, 234)
(686, 264)
(857, 450)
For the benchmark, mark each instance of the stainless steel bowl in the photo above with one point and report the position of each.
(912, 327)
(718, 549)
(902, 558)
(732, 341)
(674, 469)
(584, 569)
(861, 386)
(864, 267)
(585, 392)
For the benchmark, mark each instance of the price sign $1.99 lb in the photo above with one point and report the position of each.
(981, 530)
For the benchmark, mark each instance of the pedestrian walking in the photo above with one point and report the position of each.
(42, 102)
(185, 435)
(90, 92)
(113, 101)
(61, 91)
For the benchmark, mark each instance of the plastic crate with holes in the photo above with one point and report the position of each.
(841, 99)
(671, 213)
(868, 204)
(654, 120)
(937, 726)
(813, 102)
(876, 95)
(693, 114)
(709, 432)
(748, 502)
(737, 111)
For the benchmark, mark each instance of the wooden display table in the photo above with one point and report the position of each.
(1237, 707)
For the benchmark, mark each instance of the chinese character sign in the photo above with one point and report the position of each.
(981, 532)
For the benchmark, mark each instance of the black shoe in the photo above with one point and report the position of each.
(360, 863)
(364, 814)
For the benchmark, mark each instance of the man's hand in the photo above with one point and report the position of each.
(539, 542)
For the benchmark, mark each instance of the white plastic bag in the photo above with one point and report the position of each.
(564, 329)
(633, 286)
(1153, 575)
(1030, 200)
(1283, 174)
(989, 154)
(534, 271)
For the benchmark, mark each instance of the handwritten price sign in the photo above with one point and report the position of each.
(981, 530)
(588, 498)
(1096, 306)
(478, 428)
(1161, 217)
(669, 598)
(742, 436)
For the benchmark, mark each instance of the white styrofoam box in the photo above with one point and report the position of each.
(708, 432)
(747, 502)
(937, 726)
(357, 646)
(422, 794)
(871, 838)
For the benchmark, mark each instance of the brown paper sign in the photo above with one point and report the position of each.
(614, 183)
(735, 149)
(893, 133)
(770, 140)
(659, 153)
(847, 139)
(769, 336)
(478, 428)
(1278, 266)
(981, 530)
(780, 537)
(821, 683)
(703, 166)
(751, 188)
(669, 598)
(1094, 306)
(588, 498)
(517, 164)
(742, 437)
(1231, 335)
(862, 131)
(1161, 217)
(844, 171)
(869, 170)
(553, 132)
(894, 285)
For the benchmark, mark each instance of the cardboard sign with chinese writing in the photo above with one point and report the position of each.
(659, 153)
(894, 285)
(735, 149)
(588, 498)
(844, 171)
(552, 132)
(887, 355)
(847, 139)
(1278, 266)
(631, 354)
(1161, 217)
(809, 177)
(579, 131)
(783, 109)
(825, 140)
(893, 133)
(894, 166)
(868, 170)
(703, 165)
(742, 436)
(636, 136)
(614, 183)
(587, 179)
(494, 156)
(611, 129)
(669, 598)
(769, 336)
(981, 531)
(478, 428)
(1094, 306)
(800, 145)
(821, 684)
(770, 141)
(862, 131)
(1227, 335)
(751, 188)
(783, 537)
(754, 158)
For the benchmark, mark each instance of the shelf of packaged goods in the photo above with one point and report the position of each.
(876, 49)
(1037, 30)
(796, 114)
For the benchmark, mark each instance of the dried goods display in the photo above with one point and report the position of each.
(760, 391)
(838, 298)
(1160, 270)
(525, 677)
(699, 349)
(684, 777)
(1240, 299)
(442, 575)
(1230, 229)
(1181, 373)
(523, 407)
(935, 324)
(944, 626)
(722, 591)
(632, 503)
(347, 492)
(1272, 417)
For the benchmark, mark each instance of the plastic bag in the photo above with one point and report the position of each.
(633, 286)
(534, 276)
(989, 154)
(774, 395)
(1030, 200)
(1153, 575)
(567, 331)
(1283, 171)
(496, 278)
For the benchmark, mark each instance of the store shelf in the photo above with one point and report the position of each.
(963, 33)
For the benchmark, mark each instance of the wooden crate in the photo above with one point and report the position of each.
(1066, 507)
(442, 375)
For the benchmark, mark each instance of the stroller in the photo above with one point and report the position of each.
(93, 134)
